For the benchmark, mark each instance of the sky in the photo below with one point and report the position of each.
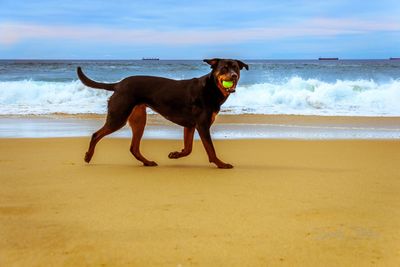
(172, 29)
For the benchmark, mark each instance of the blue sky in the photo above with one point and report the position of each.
(171, 29)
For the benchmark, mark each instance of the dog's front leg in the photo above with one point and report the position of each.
(188, 143)
(204, 132)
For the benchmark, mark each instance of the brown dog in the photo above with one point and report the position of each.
(192, 104)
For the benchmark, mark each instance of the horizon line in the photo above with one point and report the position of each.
(188, 59)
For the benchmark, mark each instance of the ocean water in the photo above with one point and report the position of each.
(301, 87)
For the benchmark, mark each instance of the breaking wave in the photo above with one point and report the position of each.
(291, 96)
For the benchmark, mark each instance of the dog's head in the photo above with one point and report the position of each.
(226, 73)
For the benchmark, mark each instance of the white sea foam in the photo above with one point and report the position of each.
(315, 97)
(38, 97)
(293, 96)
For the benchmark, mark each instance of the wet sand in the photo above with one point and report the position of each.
(225, 127)
(286, 203)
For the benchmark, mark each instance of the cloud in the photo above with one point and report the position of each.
(13, 32)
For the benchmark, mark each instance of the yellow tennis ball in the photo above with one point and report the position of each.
(227, 84)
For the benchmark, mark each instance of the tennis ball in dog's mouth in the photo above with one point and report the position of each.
(227, 84)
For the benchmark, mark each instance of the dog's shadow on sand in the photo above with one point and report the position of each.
(120, 166)
(245, 167)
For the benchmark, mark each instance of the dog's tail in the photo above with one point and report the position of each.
(88, 82)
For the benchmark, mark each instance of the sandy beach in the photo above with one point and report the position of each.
(286, 203)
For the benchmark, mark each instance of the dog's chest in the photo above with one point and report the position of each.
(196, 106)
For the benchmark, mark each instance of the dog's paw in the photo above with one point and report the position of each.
(150, 164)
(174, 155)
(225, 166)
(88, 157)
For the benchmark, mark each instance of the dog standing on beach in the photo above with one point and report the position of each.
(192, 103)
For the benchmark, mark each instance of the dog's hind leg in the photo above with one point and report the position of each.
(116, 119)
(105, 130)
(188, 143)
(137, 121)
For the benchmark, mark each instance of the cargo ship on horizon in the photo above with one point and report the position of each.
(328, 58)
(150, 58)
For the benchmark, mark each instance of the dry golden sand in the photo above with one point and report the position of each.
(286, 203)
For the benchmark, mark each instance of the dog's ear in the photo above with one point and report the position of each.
(242, 65)
(212, 62)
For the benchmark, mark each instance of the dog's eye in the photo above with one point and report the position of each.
(224, 69)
